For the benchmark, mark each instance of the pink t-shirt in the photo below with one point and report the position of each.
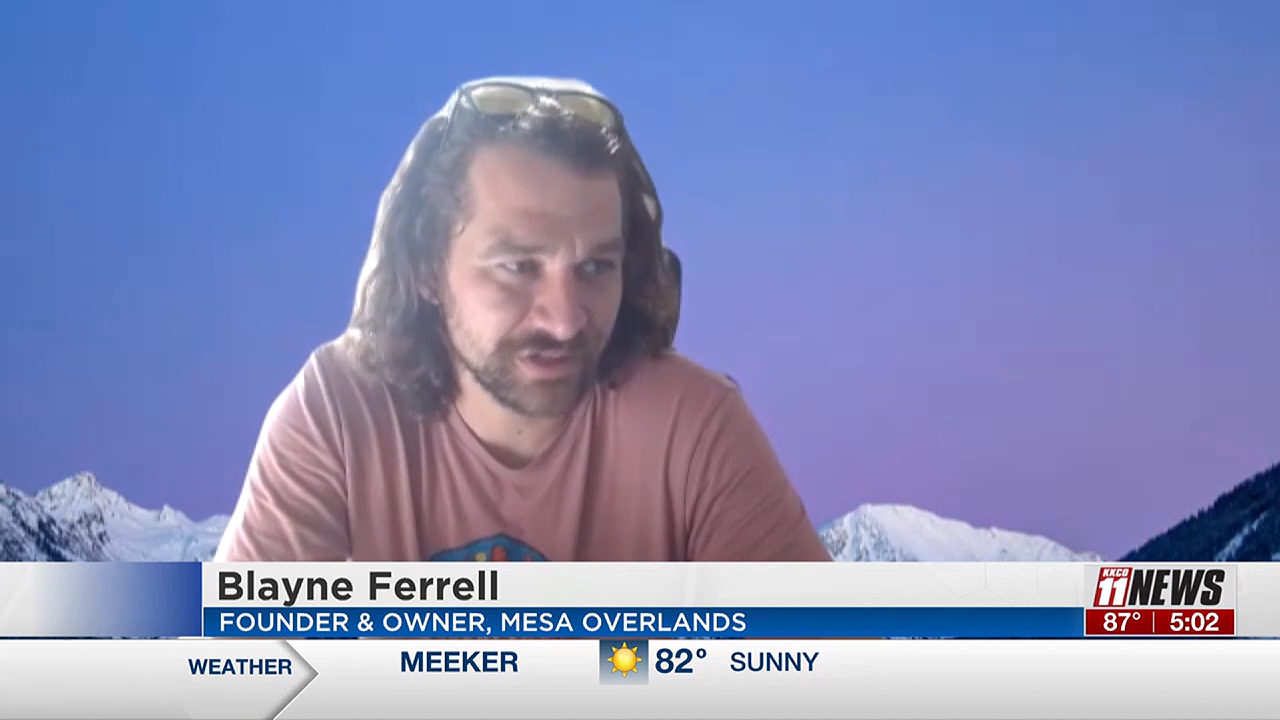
(665, 464)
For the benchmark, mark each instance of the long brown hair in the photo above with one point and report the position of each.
(401, 338)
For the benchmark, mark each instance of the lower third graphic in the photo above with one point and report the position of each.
(624, 662)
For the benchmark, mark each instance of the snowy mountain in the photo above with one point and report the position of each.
(1242, 525)
(80, 520)
(900, 533)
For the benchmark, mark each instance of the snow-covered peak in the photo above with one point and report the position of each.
(81, 519)
(897, 533)
(80, 493)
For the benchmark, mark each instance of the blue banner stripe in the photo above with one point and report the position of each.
(669, 623)
(104, 600)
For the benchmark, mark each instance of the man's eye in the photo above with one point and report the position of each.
(520, 267)
(592, 268)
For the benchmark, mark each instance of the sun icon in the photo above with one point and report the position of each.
(624, 660)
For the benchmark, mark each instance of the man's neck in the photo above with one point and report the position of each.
(514, 440)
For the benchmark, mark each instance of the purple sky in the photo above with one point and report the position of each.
(1017, 264)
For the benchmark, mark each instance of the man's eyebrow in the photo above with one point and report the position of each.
(506, 246)
(613, 246)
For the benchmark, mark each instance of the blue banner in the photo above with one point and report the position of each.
(100, 600)
(649, 623)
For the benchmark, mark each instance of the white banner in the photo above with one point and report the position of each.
(541, 679)
(689, 584)
(647, 584)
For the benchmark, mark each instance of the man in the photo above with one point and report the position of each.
(506, 389)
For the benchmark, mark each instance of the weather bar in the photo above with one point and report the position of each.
(636, 678)
(1160, 622)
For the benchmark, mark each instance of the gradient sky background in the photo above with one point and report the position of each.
(1016, 263)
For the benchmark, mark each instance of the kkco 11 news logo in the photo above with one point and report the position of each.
(1160, 600)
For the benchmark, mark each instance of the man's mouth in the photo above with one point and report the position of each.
(548, 363)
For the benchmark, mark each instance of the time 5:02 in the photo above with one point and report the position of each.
(1193, 622)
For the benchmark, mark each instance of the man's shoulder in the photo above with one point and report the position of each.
(332, 370)
(333, 362)
(672, 378)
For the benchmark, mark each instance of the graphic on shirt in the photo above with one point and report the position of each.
(495, 548)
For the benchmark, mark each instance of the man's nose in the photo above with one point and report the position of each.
(559, 307)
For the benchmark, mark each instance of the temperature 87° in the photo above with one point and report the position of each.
(680, 661)
(1114, 622)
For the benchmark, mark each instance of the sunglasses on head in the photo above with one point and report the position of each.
(507, 99)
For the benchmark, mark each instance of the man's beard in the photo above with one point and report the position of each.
(498, 373)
